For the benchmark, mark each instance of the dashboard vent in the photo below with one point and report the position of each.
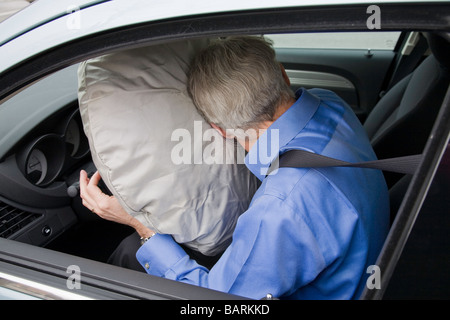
(13, 219)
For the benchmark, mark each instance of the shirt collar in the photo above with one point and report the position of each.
(284, 129)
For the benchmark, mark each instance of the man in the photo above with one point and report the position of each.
(309, 233)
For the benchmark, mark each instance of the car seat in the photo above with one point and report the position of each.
(401, 122)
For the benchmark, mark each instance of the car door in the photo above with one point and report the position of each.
(100, 34)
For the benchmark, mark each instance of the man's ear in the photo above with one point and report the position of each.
(285, 76)
(222, 132)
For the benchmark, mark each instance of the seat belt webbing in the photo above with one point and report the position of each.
(306, 159)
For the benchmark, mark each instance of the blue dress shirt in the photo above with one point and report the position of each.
(309, 233)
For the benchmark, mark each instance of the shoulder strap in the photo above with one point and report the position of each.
(306, 159)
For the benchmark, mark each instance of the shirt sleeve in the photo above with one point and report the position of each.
(273, 251)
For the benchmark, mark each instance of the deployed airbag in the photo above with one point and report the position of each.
(137, 116)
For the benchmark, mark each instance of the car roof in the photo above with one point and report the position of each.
(43, 11)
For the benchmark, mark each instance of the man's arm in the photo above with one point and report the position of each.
(273, 251)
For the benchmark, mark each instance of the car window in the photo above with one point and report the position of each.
(336, 40)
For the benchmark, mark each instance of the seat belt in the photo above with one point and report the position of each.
(306, 159)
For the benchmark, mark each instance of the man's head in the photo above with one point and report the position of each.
(236, 83)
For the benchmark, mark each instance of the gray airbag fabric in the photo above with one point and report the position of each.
(131, 103)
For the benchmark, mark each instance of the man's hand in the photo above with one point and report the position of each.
(107, 207)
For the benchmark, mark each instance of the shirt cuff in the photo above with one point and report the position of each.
(159, 254)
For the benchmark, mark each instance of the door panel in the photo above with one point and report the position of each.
(355, 75)
(325, 80)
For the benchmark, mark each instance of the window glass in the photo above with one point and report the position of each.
(337, 40)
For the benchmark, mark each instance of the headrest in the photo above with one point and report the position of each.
(440, 47)
(153, 150)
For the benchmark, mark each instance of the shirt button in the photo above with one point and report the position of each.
(146, 265)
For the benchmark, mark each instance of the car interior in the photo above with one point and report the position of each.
(397, 98)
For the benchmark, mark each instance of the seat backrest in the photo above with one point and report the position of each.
(402, 120)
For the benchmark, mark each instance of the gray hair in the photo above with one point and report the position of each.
(237, 83)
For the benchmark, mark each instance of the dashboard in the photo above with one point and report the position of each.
(45, 158)
(42, 150)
